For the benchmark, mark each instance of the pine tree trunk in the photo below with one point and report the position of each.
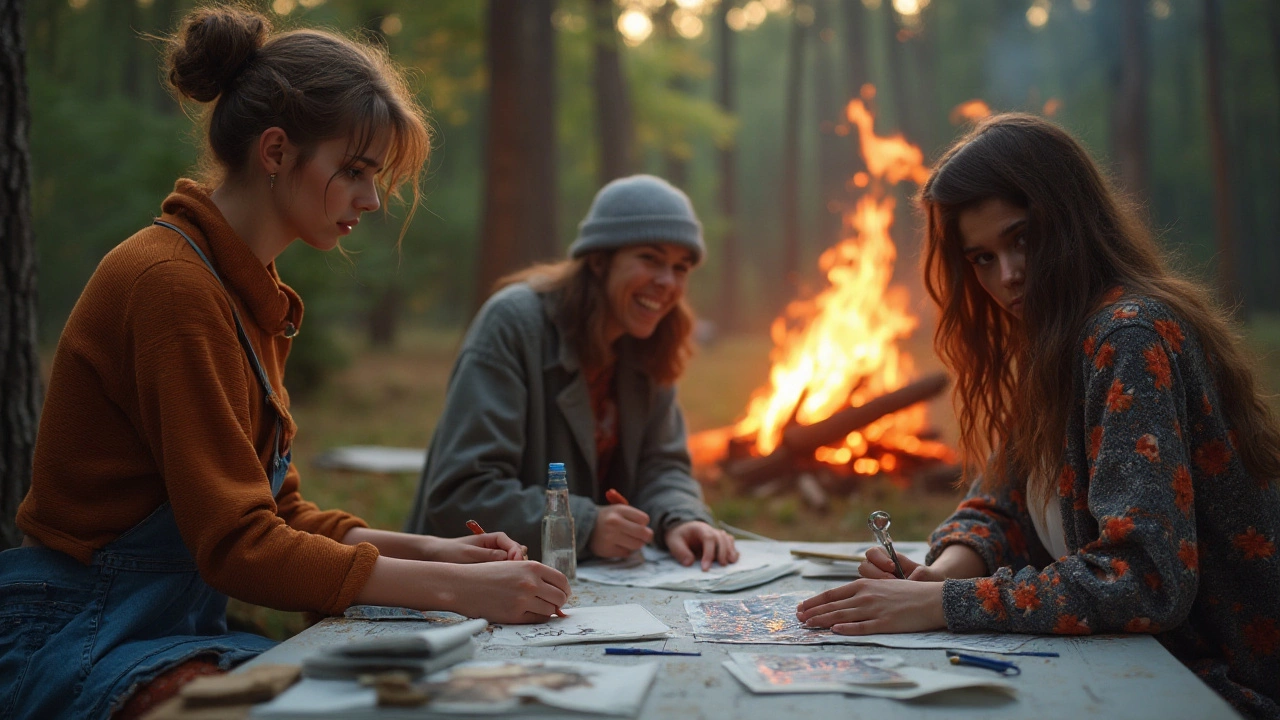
(20, 387)
(832, 167)
(1215, 53)
(791, 158)
(730, 318)
(520, 178)
(613, 105)
(1129, 108)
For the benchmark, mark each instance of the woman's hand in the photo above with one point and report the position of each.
(476, 549)
(879, 566)
(620, 530)
(510, 592)
(688, 539)
(867, 607)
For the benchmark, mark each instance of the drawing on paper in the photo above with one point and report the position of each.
(500, 684)
(761, 618)
(813, 668)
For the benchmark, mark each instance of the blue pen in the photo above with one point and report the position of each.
(1001, 666)
(645, 651)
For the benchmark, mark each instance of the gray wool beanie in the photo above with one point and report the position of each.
(639, 209)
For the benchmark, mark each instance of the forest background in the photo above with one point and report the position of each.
(535, 103)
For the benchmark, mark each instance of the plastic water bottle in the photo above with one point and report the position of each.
(559, 545)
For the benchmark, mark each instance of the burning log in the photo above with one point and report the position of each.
(800, 441)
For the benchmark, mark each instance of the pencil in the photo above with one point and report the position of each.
(813, 555)
(475, 529)
(614, 497)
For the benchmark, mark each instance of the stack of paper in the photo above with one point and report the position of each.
(510, 688)
(759, 562)
(415, 654)
(846, 673)
(836, 569)
(601, 623)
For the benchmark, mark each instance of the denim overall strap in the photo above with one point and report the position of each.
(279, 464)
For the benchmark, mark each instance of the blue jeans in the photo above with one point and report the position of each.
(75, 640)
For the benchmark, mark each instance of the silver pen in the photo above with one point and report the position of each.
(879, 524)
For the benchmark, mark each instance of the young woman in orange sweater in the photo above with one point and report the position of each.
(162, 479)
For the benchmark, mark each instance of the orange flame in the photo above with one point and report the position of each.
(969, 111)
(840, 348)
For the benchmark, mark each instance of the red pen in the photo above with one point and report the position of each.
(614, 497)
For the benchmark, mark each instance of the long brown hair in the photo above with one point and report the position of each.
(1083, 240)
(313, 84)
(582, 308)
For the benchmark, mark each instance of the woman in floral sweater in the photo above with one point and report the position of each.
(1114, 419)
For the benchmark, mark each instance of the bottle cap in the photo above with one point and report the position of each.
(556, 479)
(555, 467)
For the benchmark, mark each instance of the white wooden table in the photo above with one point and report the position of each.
(1111, 676)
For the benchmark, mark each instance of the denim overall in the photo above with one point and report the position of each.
(75, 639)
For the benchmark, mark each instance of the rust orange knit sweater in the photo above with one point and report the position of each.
(152, 399)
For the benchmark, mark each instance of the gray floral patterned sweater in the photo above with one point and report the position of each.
(1167, 532)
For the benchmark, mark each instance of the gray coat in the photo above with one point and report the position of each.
(517, 400)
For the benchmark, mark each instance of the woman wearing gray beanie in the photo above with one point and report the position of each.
(576, 362)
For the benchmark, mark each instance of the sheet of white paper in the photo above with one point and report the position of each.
(926, 682)
(758, 563)
(772, 619)
(600, 623)
(820, 671)
(510, 688)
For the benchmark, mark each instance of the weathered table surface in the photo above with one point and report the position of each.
(1110, 676)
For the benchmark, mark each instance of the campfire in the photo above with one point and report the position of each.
(843, 401)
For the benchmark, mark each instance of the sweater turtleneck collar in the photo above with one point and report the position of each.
(275, 307)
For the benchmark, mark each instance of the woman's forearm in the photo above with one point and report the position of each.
(410, 583)
(959, 562)
(391, 544)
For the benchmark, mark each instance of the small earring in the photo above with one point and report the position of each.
(272, 176)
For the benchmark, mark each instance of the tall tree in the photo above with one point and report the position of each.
(832, 166)
(728, 161)
(20, 387)
(903, 110)
(614, 120)
(791, 150)
(1215, 52)
(520, 177)
(1129, 129)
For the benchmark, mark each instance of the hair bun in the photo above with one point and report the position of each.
(212, 48)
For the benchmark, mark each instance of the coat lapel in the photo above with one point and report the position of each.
(632, 411)
(574, 400)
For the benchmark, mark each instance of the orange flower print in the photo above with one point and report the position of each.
(1095, 442)
(1183, 493)
(1124, 312)
(1254, 545)
(1205, 405)
(1148, 447)
(1153, 581)
(1172, 333)
(981, 531)
(1138, 625)
(989, 594)
(1262, 636)
(1090, 344)
(1119, 568)
(1113, 294)
(1158, 366)
(1106, 354)
(1116, 529)
(1212, 457)
(1071, 625)
(1067, 482)
(1017, 542)
(1117, 399)
(1025, 598)
(1189, 555)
